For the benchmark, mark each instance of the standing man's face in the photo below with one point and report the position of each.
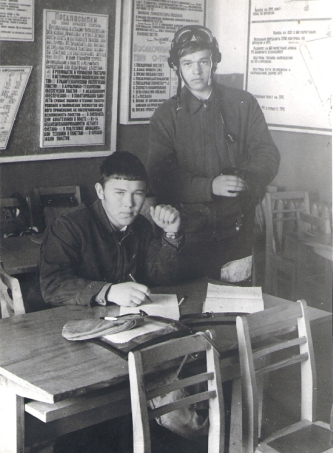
(122, 200)
(196, 68)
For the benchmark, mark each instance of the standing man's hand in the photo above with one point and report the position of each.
(228, 185)
(166, 217)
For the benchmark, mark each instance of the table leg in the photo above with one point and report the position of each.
(11, 421)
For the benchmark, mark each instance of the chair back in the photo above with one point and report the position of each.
(50, 202)
(281, 210)
(15, 216)
(142, 365)
(11, 300)
(267, 342)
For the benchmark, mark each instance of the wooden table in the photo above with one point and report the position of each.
(36, 362)
(19, 254)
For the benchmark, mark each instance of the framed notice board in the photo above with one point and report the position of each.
(147, 80)
(290, 61)
(58, 92)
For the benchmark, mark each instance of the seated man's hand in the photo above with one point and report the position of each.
(128, 294)
(228, 185)
(166, 217)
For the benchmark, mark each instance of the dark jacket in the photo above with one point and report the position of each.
(190, 146)
(81, 252)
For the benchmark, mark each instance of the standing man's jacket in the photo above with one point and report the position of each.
(81, 252)
(194, 142)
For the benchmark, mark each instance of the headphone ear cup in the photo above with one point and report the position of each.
(170, 63)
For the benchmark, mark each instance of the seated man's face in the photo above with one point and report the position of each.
(122, 200)
(196, 70)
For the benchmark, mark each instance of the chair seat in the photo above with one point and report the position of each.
(316, 436)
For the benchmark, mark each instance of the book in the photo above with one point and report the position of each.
(165, 305)
(233, 299)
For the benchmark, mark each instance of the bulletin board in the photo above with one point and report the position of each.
(147, 80)
(60, 99)
(289, 64)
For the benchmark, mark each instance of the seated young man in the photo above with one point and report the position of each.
(106, 252)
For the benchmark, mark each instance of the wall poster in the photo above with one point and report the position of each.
(289, 66)
(17, 20)
(13, 80)
(148, 29)
(74, 79)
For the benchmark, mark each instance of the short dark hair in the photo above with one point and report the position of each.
(122, 165)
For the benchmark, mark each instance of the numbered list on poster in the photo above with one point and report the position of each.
(151, 81)
(74, 79)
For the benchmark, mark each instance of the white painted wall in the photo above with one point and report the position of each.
(228, 19)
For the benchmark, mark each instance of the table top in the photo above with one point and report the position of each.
(38, 363)
(19, 254)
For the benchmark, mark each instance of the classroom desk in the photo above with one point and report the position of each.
(19, 254)
(36, 362)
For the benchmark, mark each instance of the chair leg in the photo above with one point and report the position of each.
(235, 442)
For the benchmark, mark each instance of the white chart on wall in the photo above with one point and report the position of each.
(289, 66)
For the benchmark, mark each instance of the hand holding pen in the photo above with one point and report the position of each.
(133, 280)
(129, 294)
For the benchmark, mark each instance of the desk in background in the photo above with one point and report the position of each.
(36, 362)
(20, 254)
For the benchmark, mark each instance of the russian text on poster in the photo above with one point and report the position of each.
(74, 79)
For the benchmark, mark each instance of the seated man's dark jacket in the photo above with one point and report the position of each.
(81, 252)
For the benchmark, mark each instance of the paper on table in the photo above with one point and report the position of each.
(165, 305)
(127, 335)
(225, 299)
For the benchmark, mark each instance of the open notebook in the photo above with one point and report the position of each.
(233, 299)
(163, 305)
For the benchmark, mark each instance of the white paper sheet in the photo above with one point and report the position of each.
(225, 299)
(127, 335)
(165, 305)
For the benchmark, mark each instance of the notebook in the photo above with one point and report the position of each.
(233, 299)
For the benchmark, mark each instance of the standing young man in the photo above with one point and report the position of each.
(106, 252)
(211, 155)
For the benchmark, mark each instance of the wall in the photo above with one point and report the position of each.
(305, 158)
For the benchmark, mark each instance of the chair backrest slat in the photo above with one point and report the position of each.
(278, 347)
(283, 363)
(192, 380)
(184, 402)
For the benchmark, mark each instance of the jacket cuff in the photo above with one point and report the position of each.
(177, 243)
(255, 189)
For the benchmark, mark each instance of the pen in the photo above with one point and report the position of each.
(133, 280)
(181, 300)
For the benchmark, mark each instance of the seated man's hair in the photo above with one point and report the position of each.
(123, 165)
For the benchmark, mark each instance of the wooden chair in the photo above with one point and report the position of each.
(145, 361)
(281, 211)
(11, 300)
(49, 202)
(15, 216)
(314, 265)
(275, 334)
